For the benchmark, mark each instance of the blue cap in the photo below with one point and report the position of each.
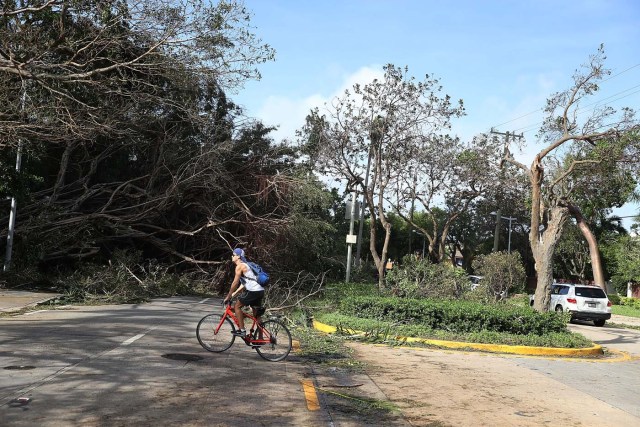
(239, 252)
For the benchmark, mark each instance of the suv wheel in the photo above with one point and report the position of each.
(599, 322)
(559, 309)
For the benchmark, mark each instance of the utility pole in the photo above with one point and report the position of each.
(351, 237)
(496, 234)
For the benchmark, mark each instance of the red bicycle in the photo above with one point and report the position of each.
(271, 338)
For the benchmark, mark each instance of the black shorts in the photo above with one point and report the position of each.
(252, 298)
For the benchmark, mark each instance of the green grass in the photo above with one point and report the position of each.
(623, 310)
(380, 331)
(326, 350)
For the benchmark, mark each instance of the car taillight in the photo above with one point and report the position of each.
(572, 300)
(608, 303)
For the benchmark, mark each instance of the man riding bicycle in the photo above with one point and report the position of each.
(252, 294)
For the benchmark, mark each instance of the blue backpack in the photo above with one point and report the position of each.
(262, 277)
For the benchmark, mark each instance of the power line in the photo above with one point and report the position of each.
(540, 109)
(583, 110)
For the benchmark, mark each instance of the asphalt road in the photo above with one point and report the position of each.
(139, 365)
(142, 365)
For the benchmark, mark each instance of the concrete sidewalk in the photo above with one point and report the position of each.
(11, 300)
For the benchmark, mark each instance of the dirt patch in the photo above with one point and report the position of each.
(448, 388)
(352, 399)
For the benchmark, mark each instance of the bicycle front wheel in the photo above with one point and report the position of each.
(279, 341)
(215, 333)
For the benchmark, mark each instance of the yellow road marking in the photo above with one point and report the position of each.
(310, 395)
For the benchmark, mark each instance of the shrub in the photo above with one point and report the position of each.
(455, 316)
(502, 272)
(614, 298)
(415, 278)
(630, 302)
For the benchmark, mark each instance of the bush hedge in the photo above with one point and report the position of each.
(630, 302)
(455, 316)
(614, 298)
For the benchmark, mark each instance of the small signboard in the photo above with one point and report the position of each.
(352, 238)
(356, 211)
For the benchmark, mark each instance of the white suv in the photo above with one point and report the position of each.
(584, 302)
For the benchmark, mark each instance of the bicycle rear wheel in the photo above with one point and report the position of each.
(215, 334)
(279, 341)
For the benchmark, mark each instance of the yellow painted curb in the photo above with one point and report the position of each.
(310, 395)
(596, 350)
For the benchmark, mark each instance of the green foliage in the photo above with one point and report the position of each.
(614, 298)
(502, 273)
(630, 302)
(416, 277)
(455, 316)
(334, 293)
(625, 252)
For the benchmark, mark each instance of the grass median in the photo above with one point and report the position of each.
(385, 331)
(360, 312)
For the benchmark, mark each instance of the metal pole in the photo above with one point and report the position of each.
(509, 247)
(14, 203)
(12, 216)
(350, 245)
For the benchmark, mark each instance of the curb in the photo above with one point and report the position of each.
(22, 301)
(596, 350)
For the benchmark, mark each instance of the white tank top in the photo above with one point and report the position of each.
(250, 280)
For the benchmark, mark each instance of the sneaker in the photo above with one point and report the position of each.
(239, 333)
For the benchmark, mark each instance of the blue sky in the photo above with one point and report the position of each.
(503, 58)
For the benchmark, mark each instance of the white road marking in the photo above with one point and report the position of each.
(34, 312)
(133, 339)
(204, 300)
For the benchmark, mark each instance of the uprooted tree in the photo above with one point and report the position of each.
(130, 141)
(592, 137)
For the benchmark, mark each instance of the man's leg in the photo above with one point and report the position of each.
(239, 314)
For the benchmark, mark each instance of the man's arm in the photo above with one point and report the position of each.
(235, 283)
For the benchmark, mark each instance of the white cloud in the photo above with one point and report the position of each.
(288, 113)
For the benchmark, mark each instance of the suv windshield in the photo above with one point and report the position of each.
(590, 292)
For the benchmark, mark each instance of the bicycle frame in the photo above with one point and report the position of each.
(255, 331)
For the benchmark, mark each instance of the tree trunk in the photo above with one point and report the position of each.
(62, 172)
(543, 248)
(596, 262)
